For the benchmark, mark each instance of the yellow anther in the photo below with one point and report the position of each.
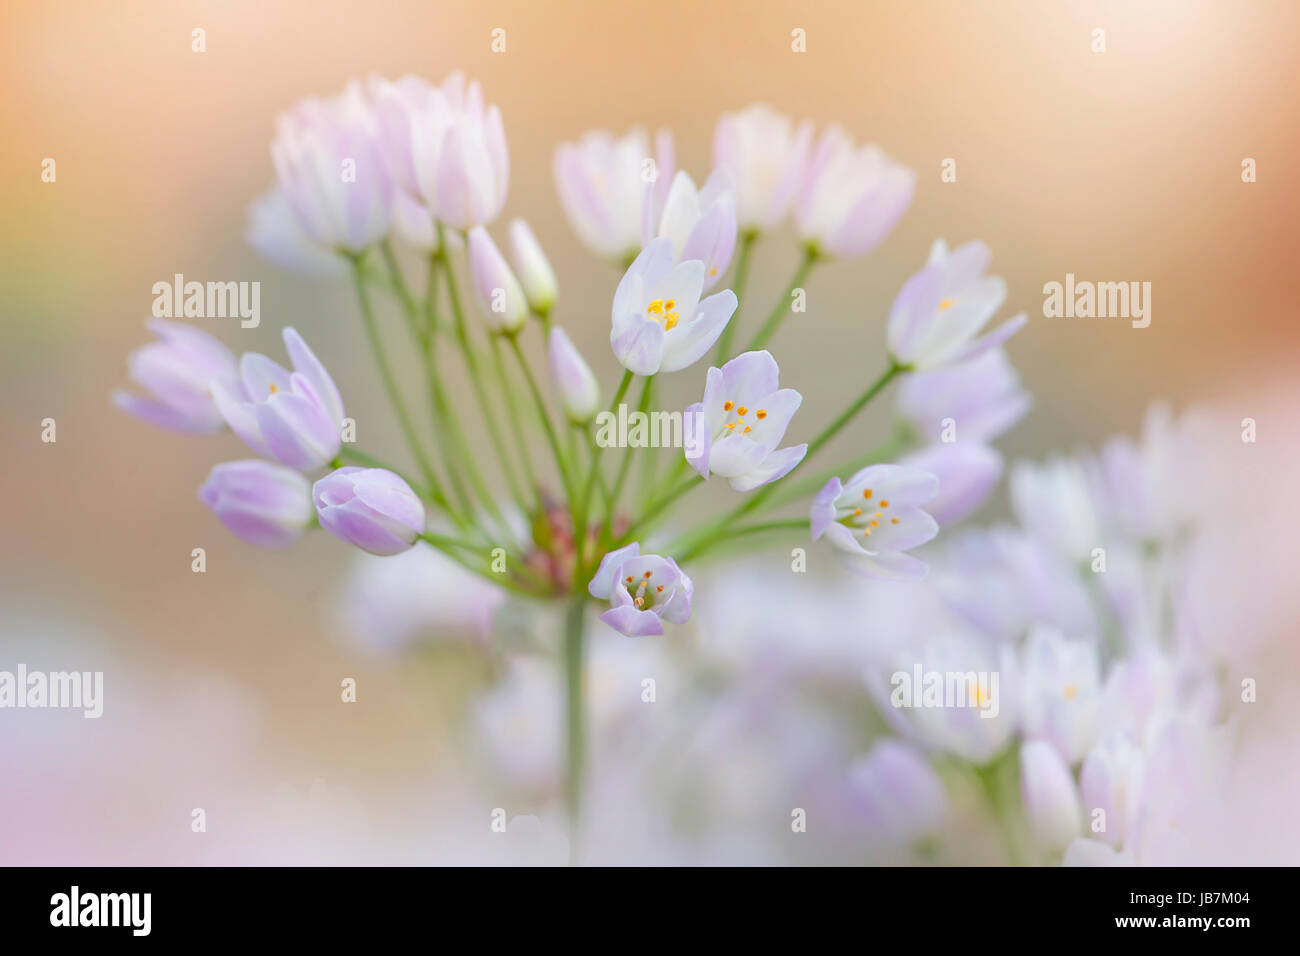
(947, 304)
(728, 406)
(629, 579)
(656, 307)
(867, 494)
(638, 601)
(893, 521)
(884, 503)
(747, 430)
(649, 573)
(742, 411)
(875, 524)
(731, 424)
(867, 533)
(1071, 691)
(274, 388)
(659, 588)
(761, 413)
(671, 303)
(858, 512)
(671, 322)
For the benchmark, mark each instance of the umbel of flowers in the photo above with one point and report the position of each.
(387, 172)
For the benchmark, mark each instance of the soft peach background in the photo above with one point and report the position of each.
(1115, 166)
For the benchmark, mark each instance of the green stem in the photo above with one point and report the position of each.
(516, 424)
(390, 386)
(545, 417)
(584, 500)
(659, 506)
(783, 524)
(475, 372)
(738, 281)
(575, 716)
(625, 465)
(782, 308)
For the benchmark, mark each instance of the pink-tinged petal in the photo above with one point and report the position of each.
(698, 457)
(685, 345)
(774, 467)
(261, 376)
(279, 422)
(715, 397)
(651, 265)
(968, 473)
(751, 376)
(633, 623)
(915, 527)
(823, 508)
(677, 609)
(778, 409)
(639, 349)
(163, 416)
(993, 339)
(713, 240)
(896, 483)
(602, 585)
(240, 416)
(306, 364)
(682, 285)
(681, 211)
(734, 455)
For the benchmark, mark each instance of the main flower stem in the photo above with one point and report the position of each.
(516, 424)
(738, 281)
(574, 715)
(625, 465)
(547, 425)
(782, 308)
(394, 393)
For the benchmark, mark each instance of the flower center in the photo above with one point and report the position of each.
(729, 408)
(663, 312)
(867, 520)
(643, 590)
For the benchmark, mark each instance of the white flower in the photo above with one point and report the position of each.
(1062, 692)
(1054, 504)
(938, 314)
(701, 223)
(874, 518)
(744, 416)
(659, 321)
(1111, 781)
(765, 156)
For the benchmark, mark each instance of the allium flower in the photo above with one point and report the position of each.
(574, 381)
(1062, 692)
(852, 197)
(898, 792)
(744, 416)
(275, 232)
(371, 508)
(700, 222)
(473, 171)
(532, 268)
(607, 183)
(765, 156)
(660, 323)
(500, 296)
(875, 517)
(939, 311)
(294, 417)
(332, 172)
(177, 371)
(1053, 504)
(980, 399)
(264, 504)
(968, 472)
(641, 590)
(1050, 797)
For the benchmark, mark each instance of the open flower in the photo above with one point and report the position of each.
(294, 417)
(741, 421)
(332, 171)
(371, 508)
(178, 371)
(700, 222)
(264, 504)
(659, 320)
(765, 156)
(641, 589)
(607, 184)
(875, 517)
(938, 314)
(852, 197)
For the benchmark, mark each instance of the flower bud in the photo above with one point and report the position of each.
(531, 266)
(264, 504)
(177, 372)
(1050, 797)
(500, 297)
(577, 386)
(371, 508)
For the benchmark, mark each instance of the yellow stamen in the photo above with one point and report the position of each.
(858, 512)
(747, 430)
(867, 494)
(947, 304)
(648, 573)
(742, 411)
(629, 579)
(875, 524)
(728, 406)
(659, 588)
(884, 503)
(1071, 691)
(761, 413)
(274, 388)
(893, 521)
